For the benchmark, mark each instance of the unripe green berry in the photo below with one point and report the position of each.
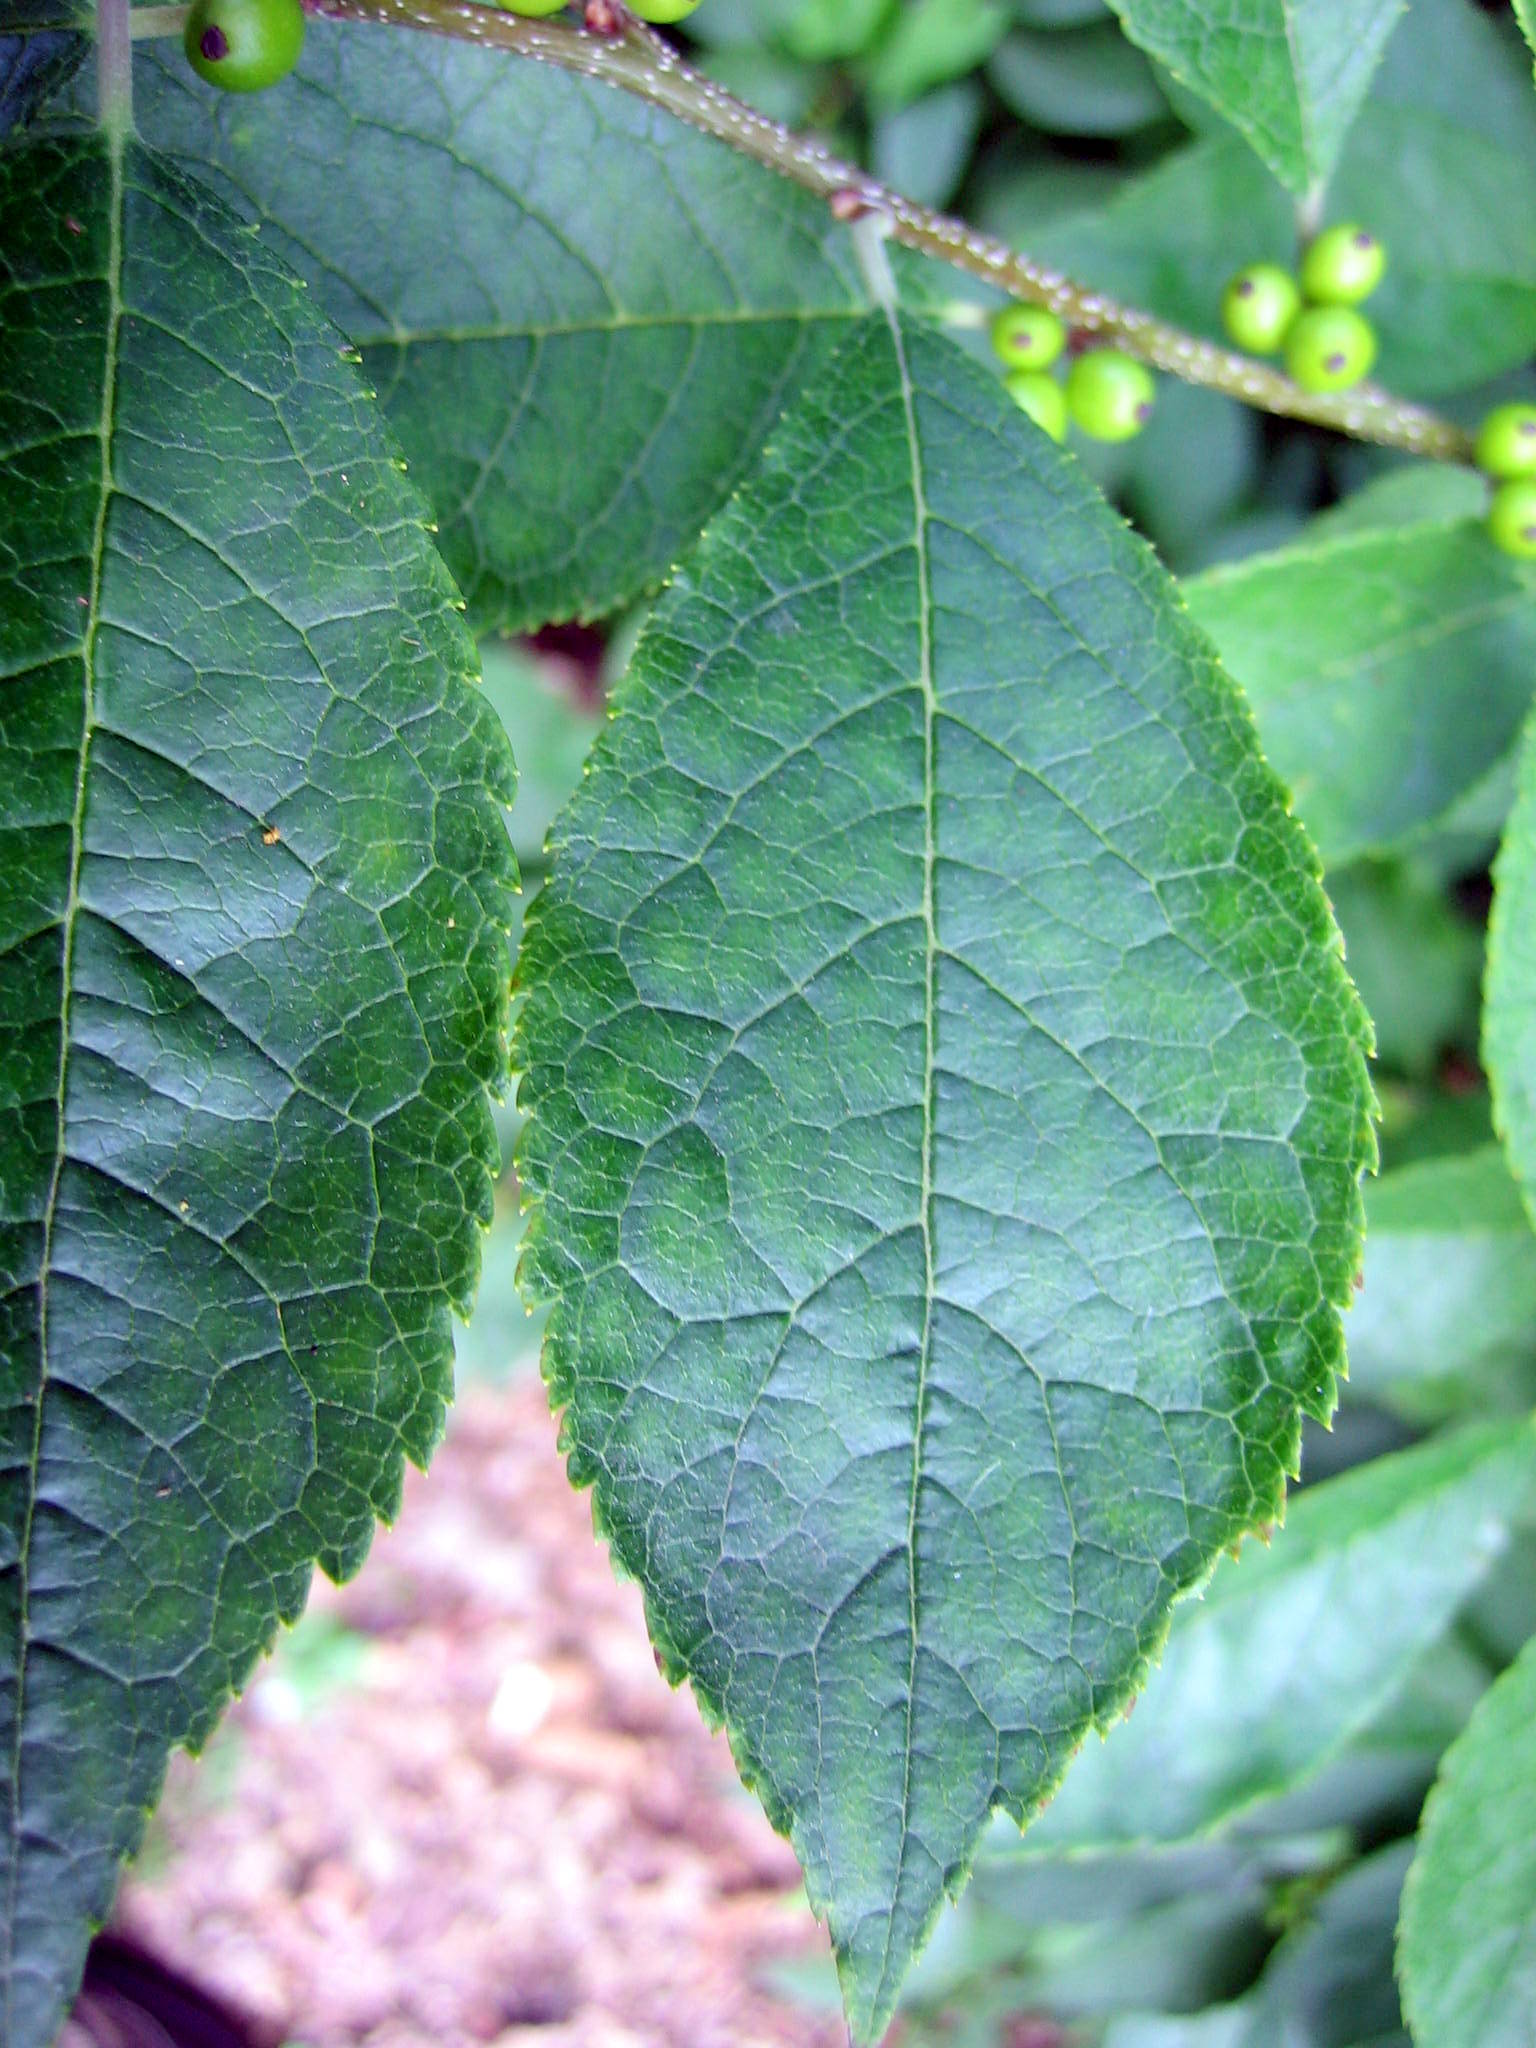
(1329, 348)
(1110, 395)
(529, 6)
(243, 45)
(1506, 441)
(1343, 266)
(662, 10)
(1258, 307)
(1032, 391)
(1028, 337)
(1512, 517)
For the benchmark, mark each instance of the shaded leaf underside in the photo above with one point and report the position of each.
(252, 993)
(948, 1106)
(582, 316)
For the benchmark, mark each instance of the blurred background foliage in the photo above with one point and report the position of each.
(1261, 1915)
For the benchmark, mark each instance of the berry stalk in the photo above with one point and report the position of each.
(631, 57)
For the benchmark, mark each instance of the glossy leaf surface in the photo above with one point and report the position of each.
(947, 1106)
(252, 994)
(581, 316)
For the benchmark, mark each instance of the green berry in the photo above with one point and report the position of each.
(1042, 398)
(1506, 441)
(662, 10)
(244, 45)
(1028, 337)
(1512, 517)
(1110, 395)
(529, 6)
(1343, 266)
(1258, 307)
(1329, 348)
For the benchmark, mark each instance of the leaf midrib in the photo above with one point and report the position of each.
(930, 1065)
(114, 144)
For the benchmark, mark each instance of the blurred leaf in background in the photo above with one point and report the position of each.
(549, 697)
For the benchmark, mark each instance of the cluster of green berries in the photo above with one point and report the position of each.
(1328, 345)
(1106, 394)
(1505, 450)
(245, 45)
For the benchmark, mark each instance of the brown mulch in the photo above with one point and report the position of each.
(504, 1827)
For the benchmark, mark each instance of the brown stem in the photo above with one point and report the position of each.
(642, 63)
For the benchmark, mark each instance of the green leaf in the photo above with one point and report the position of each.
(581, 316)
(252, 992)
(1525, 14)
(1294, 1650)
(947, 1107)
(1327, 1984)
(924, 150)
(1449, 131)
(1416, 960)
(930, 42)
(1446, 1320)
(1409, 495)
(1509, 1010)
(1466, 1953)
(1087, 82)
(1290, 74)
(1389, 672)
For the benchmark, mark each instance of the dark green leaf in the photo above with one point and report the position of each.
(1290, 74)
(947, 1106)
(1294, 1650)
(581, 316)
(252, 993)
(1389, 671)
(34, 63)
(1467, 1952)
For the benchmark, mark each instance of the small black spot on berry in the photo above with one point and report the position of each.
(213, 43)
(1335, 362)
(1245, 289)
(1364, 240)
